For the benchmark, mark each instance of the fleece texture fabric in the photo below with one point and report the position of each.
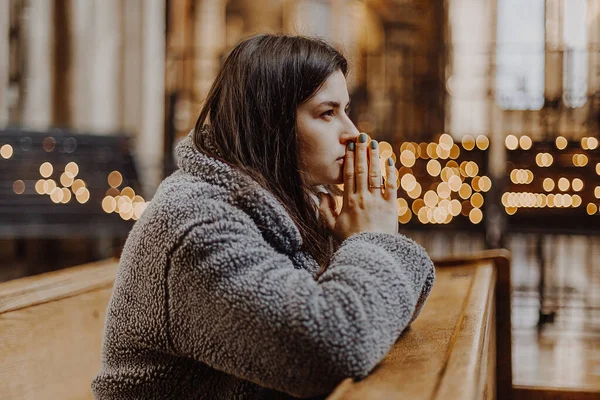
(215, 299)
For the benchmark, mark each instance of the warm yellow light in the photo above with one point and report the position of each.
(65, 179)
(592, 143)
(78, 184)
(514, 176)
(477, 200)
(505, 197)
(468, 142)
(591, 209)
(577, 185)
(19, 187)
(407, 158)
(550, 200)
(443, 191)
(580, 160)
(472, 169)
(129, 192)
(432, 150)
(475, 184)
(109, 204)
(49, 186)
(548, 184)
(454, 151)
(417, 205)
(423, 151)
(597, 192)
(455, 207)
(40, 186)
(475, 216)
(408, 182)
(72, 169)
(384, 148)
(561, 143)
(415, 192)
(56, 195)
(403, 219)
(511, 210)
(115, 179)
(126, 215)
(584, 143)
(511, 142)
(441, 152)
(482, 142)
(66, 196)
(140, 199)
(402, 205)
(82, 195)
(6, 151)
(446, 142)
(567, 200)
(433, 167)
(576, 200)
(598, 168)
(485, 183)
(46, 169)
(422, 215)
(525, 142)
(563, 184)
(430, 198)
(465, 191)
(454, 183)
(439, 215)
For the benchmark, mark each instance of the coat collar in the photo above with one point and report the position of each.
(244, 192)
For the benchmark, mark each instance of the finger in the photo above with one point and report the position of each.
(332, 204)
(349, 184)
(361, 169)
(391, 183)
(374, 168)
(326, 213)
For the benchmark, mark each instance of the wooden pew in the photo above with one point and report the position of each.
(459, 347)
(51, 332)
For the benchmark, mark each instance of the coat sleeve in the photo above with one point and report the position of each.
(238, 305)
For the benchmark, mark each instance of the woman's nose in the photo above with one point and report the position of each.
(350, 131)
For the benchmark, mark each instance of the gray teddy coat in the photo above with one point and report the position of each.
(214, 298)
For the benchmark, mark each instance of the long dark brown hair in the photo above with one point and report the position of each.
(249, 120)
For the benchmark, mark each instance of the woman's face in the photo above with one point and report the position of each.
(324, 129)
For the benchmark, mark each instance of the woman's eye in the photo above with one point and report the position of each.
(328, 113)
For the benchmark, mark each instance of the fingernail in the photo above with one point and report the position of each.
(391, 162)
(362, 138)
(373, 144)
(351, 146)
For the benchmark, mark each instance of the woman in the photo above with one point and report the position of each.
(229, 286)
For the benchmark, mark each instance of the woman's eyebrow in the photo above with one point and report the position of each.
(333, 104)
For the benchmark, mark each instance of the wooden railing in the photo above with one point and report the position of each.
(459, 348)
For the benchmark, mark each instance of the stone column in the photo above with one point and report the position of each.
(82, 28)
(149, 147)
(104, 73)
(37, 111)
(132, 65)
(4, 60)
(209, 44)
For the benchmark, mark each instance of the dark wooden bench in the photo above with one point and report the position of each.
(459, 348)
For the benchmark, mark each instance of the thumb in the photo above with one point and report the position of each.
(326, 211)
